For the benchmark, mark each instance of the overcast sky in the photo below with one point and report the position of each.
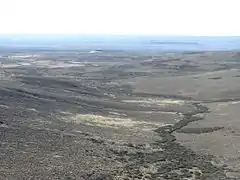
(163, 17)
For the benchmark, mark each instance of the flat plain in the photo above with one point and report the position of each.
(119, 115)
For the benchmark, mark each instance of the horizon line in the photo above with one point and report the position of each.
(111, 34)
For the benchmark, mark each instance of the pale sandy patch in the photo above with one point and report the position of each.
(157, 101)
(112, 121)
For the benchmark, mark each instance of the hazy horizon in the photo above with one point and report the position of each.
(121, 42)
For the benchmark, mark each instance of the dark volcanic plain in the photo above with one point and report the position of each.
(105, 115)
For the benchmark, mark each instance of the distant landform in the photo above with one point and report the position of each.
(117, 42)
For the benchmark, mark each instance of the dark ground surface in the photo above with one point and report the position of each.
(111, 115)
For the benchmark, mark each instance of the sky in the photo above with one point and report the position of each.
(141, 17)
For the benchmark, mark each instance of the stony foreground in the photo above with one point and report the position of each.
(119, 115)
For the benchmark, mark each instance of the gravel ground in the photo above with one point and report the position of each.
(98, 120)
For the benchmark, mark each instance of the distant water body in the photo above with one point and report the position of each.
(136, 43)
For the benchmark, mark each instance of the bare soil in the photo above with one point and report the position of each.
(119, 115)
